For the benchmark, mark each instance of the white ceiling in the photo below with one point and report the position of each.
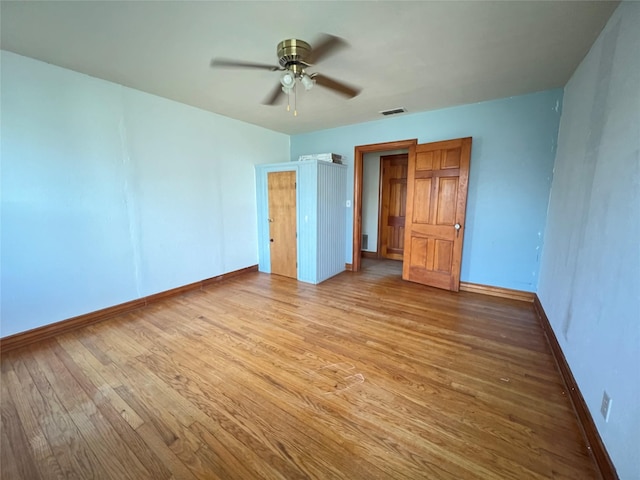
(417, 55)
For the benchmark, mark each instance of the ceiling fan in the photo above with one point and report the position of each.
(294, 57)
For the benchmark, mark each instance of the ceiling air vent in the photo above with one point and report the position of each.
(393, 111)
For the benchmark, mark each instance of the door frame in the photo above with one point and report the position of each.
(358, 161)
(290, 220)
(261, 171)
(379, 233)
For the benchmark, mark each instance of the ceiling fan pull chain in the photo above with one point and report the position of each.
(295, 100)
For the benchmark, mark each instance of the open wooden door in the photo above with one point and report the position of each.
(437, 180)
(281, 188)
(393, 205)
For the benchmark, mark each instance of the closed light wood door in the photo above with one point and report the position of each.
(437, 180)
(393, 205)
(281, 187)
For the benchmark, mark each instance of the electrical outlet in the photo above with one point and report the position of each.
(605, 408)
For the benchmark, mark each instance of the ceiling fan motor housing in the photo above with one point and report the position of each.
(291, 54)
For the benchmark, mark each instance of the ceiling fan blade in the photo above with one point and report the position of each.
(325, 46)
(223, 62)
(336, 86)
(275, 95)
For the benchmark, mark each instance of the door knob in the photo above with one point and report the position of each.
(270, 220)
(271, 240)
(457, 227)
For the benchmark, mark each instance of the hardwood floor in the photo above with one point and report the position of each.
(364, 376)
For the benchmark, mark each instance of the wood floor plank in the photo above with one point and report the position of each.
(163, 429)
(220, 449)
(358, 406)
(414, 408)
(529, 475)
(298, 397)
(8, 459)
(23, 464)
(159, 367)
(415, 364)
(156, 341)
(140, 456)
(96, 379)
(234, 401)
(167, 456)
(413, 360)
(46, 462)
(213, 406)
(448, 400)
(74, 457)
(364, 376)
(251, 384)
(89, 420)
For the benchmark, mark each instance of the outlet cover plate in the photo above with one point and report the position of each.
(605, 408)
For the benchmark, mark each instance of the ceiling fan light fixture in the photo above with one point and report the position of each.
(288, 80)
(307, 81)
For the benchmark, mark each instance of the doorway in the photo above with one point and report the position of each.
(360, 151)
(436, 195)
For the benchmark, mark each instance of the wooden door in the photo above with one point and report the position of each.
(437, 179)
(281, 188)
(393, 205)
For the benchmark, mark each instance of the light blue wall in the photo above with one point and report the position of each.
(590, 272)
(370, 198)
(110, 194)
(514, 141)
